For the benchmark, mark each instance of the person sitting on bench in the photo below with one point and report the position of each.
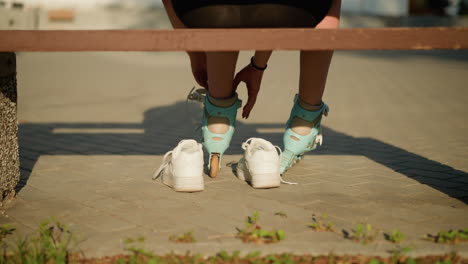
(216, 70)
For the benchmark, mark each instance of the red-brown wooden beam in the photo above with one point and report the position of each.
(235, 39)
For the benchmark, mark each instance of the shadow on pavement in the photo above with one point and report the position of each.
(164, 127)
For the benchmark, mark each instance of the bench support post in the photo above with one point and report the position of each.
(9, 156)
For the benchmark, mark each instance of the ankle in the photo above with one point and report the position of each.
(302, 126)
(308, 106)
(220, 125)
(223, 102)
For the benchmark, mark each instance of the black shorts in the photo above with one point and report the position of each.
(251, 13)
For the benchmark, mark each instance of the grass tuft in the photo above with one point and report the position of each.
(321, 225)
(364, 233)
(253, 233)
(186, 237)
(450, 237)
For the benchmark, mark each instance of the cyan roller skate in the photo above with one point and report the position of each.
(295, 145)
(217, 144)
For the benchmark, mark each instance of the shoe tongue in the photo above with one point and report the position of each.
(187, 146)
(261, 145)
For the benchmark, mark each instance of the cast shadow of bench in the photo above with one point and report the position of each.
(163, 127)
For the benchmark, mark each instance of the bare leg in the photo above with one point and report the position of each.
(314, 72)
(312, 80)
(221, 69)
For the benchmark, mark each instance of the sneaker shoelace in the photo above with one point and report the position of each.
(247, 143)
(165, 163)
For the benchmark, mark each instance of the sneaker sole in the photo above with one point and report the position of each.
(261, 181)
(189, 184)
(266, 180)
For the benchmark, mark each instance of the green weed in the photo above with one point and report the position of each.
(375, 261)
(5, 230)
(138, 253)
(186, 237)
(224, 256)
(450, 237)
(395, 237)
(321, 225)
(447, 261)
(253, 233)
(450, 258)
(51, 243)
(363, 234)
(398, 256)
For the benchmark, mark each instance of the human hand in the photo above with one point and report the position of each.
(199, 70)
(252, 79)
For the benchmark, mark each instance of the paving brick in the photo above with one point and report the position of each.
(215, 223)
(344, 180)
(105, 223)
(371, 168)
(353, 215)
(30, 193)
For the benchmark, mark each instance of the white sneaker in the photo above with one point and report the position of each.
(182, 167)
(260, 164)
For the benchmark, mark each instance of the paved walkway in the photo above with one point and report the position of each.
(94, 127)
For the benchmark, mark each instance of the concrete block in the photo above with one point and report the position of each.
(9, 156)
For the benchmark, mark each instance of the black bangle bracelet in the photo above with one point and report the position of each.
(255, 66)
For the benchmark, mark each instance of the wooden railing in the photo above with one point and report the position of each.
(235, 39)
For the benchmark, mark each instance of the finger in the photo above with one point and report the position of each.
(246, 113)
(249, 106)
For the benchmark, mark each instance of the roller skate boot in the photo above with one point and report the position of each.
(216, 144)
(295, 145)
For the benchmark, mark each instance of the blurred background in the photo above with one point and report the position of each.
(149, 14)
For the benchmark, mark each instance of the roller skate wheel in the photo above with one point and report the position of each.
(214, 168)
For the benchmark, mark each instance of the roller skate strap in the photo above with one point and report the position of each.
(309, 115)
(197, 94)
(228, 112)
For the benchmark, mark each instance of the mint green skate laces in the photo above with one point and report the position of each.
(295, 145)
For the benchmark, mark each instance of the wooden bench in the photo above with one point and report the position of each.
(189, 40)
(235, 39)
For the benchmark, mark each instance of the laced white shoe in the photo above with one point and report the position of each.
(182, 167)
(260, 164)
